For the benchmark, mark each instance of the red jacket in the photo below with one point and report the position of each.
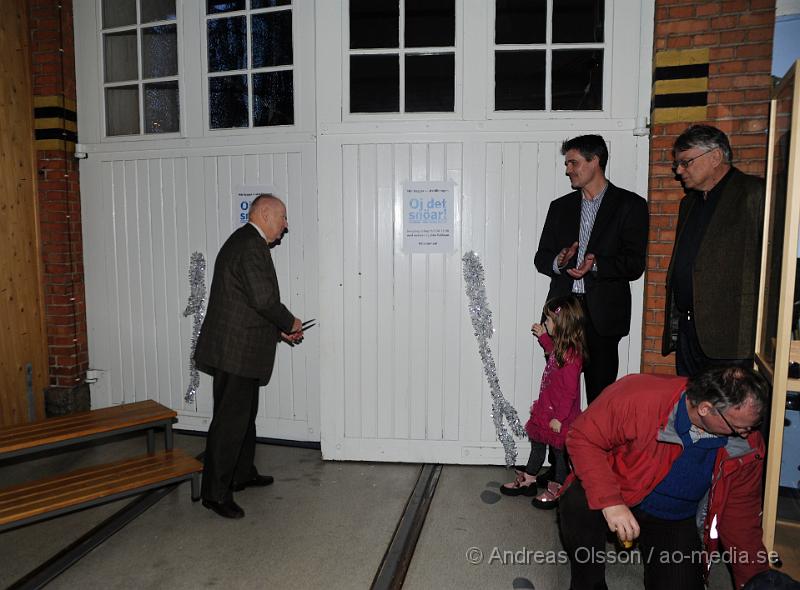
(624, 444)
(559, 397)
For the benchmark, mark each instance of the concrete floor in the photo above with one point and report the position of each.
(322, 525)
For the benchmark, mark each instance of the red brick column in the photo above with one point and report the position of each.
(53, 65)
(737, 35)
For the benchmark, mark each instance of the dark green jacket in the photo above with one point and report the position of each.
(726, 271)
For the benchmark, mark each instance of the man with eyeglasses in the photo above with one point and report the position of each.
(712, 281)
(675, 464)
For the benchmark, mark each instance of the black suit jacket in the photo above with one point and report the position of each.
(619, 243)
(245, 315)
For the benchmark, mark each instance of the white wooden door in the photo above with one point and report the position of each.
(151, 200)
(400, 372)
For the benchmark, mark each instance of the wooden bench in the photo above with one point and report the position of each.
(32, 501)
(63, 431)
(29, 502)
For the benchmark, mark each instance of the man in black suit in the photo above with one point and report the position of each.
(593, 244)
(244, 321)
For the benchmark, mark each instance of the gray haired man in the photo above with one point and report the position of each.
(712, 282)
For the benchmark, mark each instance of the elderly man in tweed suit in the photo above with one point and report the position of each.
(243, 323)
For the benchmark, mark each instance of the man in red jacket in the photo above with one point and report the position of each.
(666, 461)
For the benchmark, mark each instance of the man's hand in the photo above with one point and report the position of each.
(555, 425)
(578, 272)
(296, 335)
(538, 329)
(620, 520)
(566, 255)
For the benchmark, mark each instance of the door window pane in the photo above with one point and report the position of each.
(120, 57)
(430, 83)
(122, 110)
(155, 10)
(219, 6)
(227, 44)
(578, 80)
(155, 47)
(269, 3)
(374, 24)
(272, 39)
(519, 80)
(374, 84)
(273, 99)
(520, 21)
(161, 107)
(227, 101)
(578, 21)
(430, 23)
(159, 51)
(118, 13)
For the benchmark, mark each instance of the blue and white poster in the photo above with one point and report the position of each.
(428, 217)
(243, 195)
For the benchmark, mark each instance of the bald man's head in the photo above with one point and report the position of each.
(269, 213)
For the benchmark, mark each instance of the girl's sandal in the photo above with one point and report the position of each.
(521, 486)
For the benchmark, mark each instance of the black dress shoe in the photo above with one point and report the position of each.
(259, 481)
(226, 509)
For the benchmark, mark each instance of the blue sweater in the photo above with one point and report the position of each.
(677, 496)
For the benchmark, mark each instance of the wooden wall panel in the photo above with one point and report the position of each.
(22, 339)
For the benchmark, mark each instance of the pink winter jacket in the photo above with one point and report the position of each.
(559, 397)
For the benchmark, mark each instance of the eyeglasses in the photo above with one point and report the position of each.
(740, 431)
(685, 163)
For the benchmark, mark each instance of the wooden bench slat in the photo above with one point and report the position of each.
(78, 480)
(93, 483)
(83, 424)
(99, 414)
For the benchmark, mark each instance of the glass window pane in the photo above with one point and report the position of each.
(430, 83)
(430, 23)
(154, 10)
(120, 59)
(118, 13)
(272, 39)
(122, 110)
(227, 101)
(374, 84)
(159, 51)
(374, 23)
(578, 21)
(273, 99)
(578, 80)
(269, 3)
(217, 6)
(520, 21)
(161, 107)
(227, 44)
(519, 80)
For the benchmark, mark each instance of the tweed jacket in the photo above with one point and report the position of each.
(245, 315)
(726, 271)
(619, 243)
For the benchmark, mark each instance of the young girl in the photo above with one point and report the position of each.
(559, 401)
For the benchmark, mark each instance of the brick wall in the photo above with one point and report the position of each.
(736, 38)
(53, 65)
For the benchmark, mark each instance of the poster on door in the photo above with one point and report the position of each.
(243, 195)
(428, 217)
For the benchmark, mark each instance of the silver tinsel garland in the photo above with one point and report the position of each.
(196, 307)
(482, 323)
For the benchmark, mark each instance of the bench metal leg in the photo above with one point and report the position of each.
(195, 487)
(151, 441)
(168, 438)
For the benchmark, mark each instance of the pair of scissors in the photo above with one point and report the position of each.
(306, 325)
